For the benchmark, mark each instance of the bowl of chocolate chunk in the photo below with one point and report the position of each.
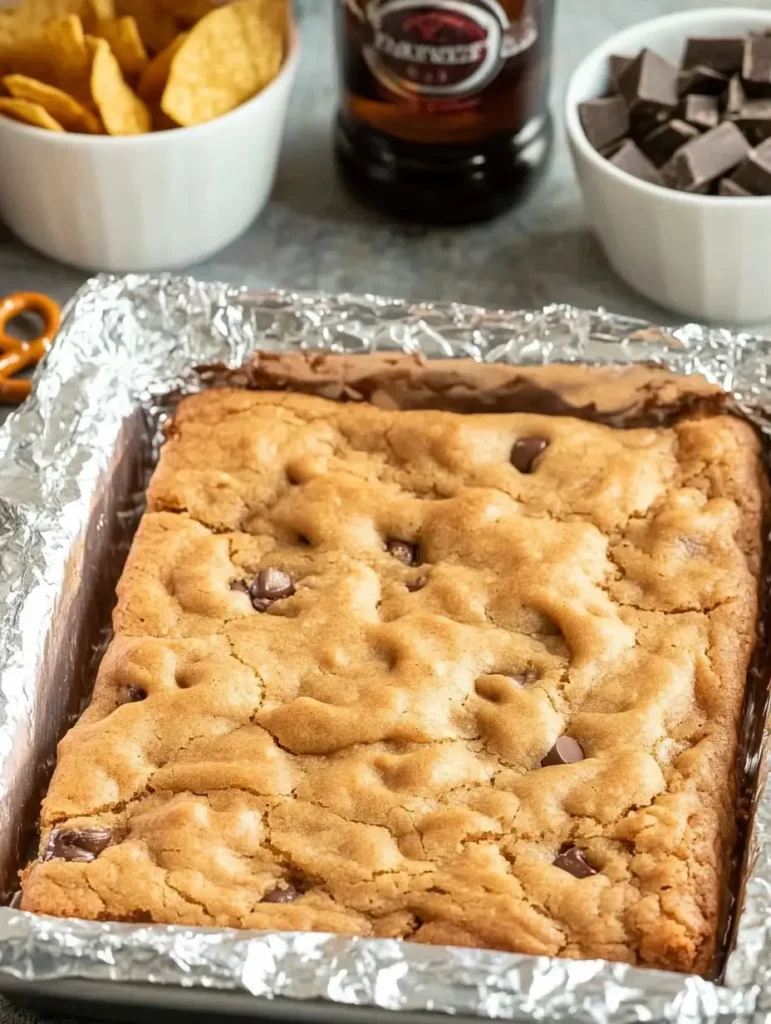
(669, 124)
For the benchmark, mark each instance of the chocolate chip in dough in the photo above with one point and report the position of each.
(565, 751)
(573, 861)
(526, 452)
(415, 585)
(402, 551)
(240, 586)
(269, 586)
(286, 895)
(76, 844)
(720, 53)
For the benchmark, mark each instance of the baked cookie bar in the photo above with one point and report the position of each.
(459, 679)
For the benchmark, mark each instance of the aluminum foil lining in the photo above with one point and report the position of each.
(73, 463)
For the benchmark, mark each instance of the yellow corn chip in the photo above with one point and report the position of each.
(71, 115)
(153, 79)
(228, 57)
(156, 26)
(29, 113)
(121, 110)
(68, 56)
(126, 43)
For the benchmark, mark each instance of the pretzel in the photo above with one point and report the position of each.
(16, 355)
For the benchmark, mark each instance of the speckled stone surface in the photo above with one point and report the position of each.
(312, 235)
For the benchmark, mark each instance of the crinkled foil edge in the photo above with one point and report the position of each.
(125, 345)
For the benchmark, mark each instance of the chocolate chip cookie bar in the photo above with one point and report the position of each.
(469, 679)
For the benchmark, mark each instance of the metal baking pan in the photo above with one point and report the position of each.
(74, 462)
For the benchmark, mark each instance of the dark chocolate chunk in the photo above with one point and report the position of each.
(730, 188)
(754, 120)
(701, 80)
(269, 586)
(402, 551)
(630, 158)
(735, 96)
(662, 143)
(565, 751)
(756, 66)
(136, 693)
(701, 161)
(720, 53)
(526, 452)
(604, 120)
(649, 85)
(643, 121)
(288, 894)
(415, 585)
(617, 65)
(76, 844)
(240, 586)
(701, 111)
(573, 861)
(753, 174)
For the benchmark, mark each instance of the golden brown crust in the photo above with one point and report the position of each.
(371, 745)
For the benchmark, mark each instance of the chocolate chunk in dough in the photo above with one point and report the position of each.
(403, 551)
(287, 894)
(573, 861)
(720, 53)
(664, 141)
(604, 120)
(565, 751)
(269, 586)
(701, 111)
(702, 161)
(630, 158)
(526, 452)
(76, 844)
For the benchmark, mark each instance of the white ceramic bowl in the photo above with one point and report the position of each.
(145, 202)
(704, 256)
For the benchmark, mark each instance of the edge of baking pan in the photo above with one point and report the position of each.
(357, 977)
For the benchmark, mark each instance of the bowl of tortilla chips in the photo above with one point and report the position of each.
(140, 135)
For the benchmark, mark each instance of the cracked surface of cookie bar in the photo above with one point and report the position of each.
(470, 680)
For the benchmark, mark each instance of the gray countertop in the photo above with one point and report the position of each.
(312, 235)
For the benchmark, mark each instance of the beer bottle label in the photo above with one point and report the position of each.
(441, 50)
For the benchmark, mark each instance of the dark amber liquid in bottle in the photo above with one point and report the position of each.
(444, 116)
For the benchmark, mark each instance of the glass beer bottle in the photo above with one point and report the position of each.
(444, 116)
